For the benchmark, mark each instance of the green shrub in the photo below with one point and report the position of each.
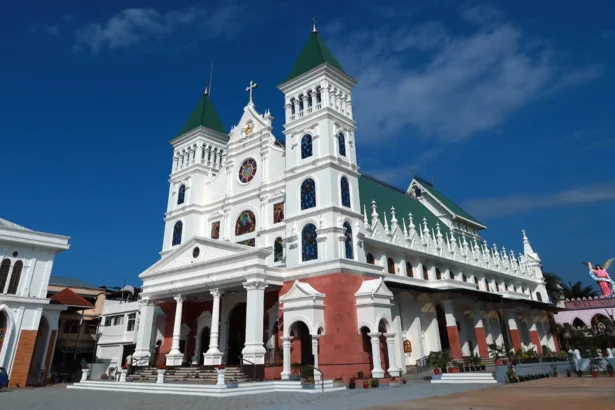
(307, 372)
(375, 383)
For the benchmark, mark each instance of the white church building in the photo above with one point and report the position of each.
(277, 253)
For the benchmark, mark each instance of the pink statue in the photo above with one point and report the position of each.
(600, 275)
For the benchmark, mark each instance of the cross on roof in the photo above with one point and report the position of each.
(252, 86)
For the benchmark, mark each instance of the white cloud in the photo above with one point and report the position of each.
(448, 86)
(516, 204)
(133, 26)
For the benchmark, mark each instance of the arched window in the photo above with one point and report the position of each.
(538, 296)
(301, 98)
(578, 323)
(309, 98)
(177, 233)
(369, 258)
(5, 267)
(14, 283)
(181, 195)
(318, 98)
(345, 189)
(309, 246)
(306, 146)
(292, 106)
(278, 250)
(438, 274)
(409, 270)
(464, 277)
(425, 273)
(246, 223)
(348, 242)
(342, 144)
(308, 194)
(390, 266)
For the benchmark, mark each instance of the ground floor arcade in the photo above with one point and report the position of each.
(340, 323)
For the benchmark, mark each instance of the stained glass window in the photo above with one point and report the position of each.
(306, 146)
(348, 244)
(247, 170)
(345, 188)
(215, 230)
(342, 143)
(181, 195)
(370, 258)
(308, 194)
(278, 250)
(177, 233)
(248, 242)
(246, 223)
(14, 283)
(309, 246)
(278, 212)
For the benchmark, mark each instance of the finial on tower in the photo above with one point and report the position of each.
(251, 87)
(314, 25)
(206, 92)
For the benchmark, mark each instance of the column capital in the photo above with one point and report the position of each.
(255, 285)
(286, 338)
(216, 293)
(390, 335)
(179, 298)
(315, 338)
(146, 301)
(374, 335)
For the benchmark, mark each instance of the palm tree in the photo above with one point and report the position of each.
(553, 284)
(576, 290)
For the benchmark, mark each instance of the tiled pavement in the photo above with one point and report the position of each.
(60, 398)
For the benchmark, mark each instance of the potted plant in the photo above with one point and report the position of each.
(307, 374)
(352, 384)
(366, 384)
(497, 353)
(483, 366)
(512, 377)
(595, 363)
(375, 383)
(609, 368)
(554, 367)
(360, 375)
(404, 381)
(295, 370)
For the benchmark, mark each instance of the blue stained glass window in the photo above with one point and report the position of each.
(306, 146)
(181, 195)
(345, 188)
(308, 194)
(342, 142)
(309, 246)
(177, 233)
(349, 249)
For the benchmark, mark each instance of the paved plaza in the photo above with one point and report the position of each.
(560, 394)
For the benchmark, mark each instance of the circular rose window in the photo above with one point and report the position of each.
(247, 170)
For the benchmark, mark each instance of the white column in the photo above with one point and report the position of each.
(175, 357)
(213, 356)
(254, 351)
(286, 357)
(145, 331)
(393, 370)
(315, 338)
(377, 372)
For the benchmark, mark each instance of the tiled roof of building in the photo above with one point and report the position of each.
(70, 282)
(69, 298)
(204, 115)
(314, 54)
(12, 225)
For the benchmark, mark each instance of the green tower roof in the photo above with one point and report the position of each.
(204, 115)
(314, 53)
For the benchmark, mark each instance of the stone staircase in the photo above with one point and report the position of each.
(187, 375)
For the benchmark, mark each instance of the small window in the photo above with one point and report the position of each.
(309, 245)
(464, 278)
(425, 273)
(132, 319)
(417, 192)
(215, 230)
(118, 320)
(181, 195)
(306, 146)
(409, 270)
(71, 326)
(341, 144)
(292, 106)
(308, 194)
(370, 258)
(90, 330)
(438, 274)
(391, 265)
(15, 277)
(538, 296)
(278, 250)
(301, 98)
(309, 98)
(177, 233)
(108, 321)
(345, 191)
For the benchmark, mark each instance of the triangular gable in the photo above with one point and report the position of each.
(209, 250)
(69, 298)
(300, 290)
(252, 118)
(374, 287)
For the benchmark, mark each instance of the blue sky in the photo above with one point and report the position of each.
(506, 106)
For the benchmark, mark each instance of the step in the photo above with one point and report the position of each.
(464, 378)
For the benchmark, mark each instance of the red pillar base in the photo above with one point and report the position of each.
(536, 340)
(453, 339)
(481, 341)
(516, 338)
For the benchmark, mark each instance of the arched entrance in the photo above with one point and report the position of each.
(204, 346)
(441, 318)
(3, 329)
(384, 350)
(367, 345)
(301, 345)
(236, 333)
(36, 373)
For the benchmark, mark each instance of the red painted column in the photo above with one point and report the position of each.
(514, 331)
(479, 331)
(451, 329)
(536, 341)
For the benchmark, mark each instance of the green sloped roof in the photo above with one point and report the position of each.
(453, 207)
(204, 115)
(314, 53)
(387, 196)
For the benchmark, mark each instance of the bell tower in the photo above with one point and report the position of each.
(322, 209)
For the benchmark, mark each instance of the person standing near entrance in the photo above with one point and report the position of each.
(129, 363)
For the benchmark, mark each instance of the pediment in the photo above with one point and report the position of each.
(251, 120)
(374, 287)
(184, 255)
(300, 290)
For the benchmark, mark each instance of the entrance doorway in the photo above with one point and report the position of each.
(236, 333)
(35, 374)
(204, 344)
(441, 317)
(301, 347)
